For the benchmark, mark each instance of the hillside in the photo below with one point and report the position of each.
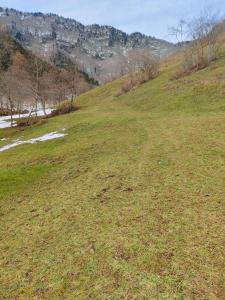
(128, 205)
(14, 56)
(97, 49)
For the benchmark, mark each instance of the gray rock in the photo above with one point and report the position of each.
(95, 48)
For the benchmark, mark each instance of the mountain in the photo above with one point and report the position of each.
(95, 48)
(24, 63)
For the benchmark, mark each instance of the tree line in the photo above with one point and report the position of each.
(204, 35)
(28, 82)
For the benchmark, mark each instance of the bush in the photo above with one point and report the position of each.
(127, 85)
(205, 33)
(23, 122)
(64, 108)
(7, 112)
(147, 73)
(194, 61)
(4, 112)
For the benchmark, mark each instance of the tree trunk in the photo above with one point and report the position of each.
(43, 107)
(11, 112)
(36, 107)
(71, 101)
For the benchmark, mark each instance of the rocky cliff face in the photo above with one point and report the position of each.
(95, 48)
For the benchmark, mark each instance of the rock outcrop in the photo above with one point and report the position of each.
(95, 48)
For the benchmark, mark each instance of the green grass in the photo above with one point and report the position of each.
(129, 205)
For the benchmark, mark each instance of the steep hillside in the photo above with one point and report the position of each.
(128, 205)
(10, 49)
(96, 48)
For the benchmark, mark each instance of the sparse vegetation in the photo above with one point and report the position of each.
(24, 122)
(205, 43)
(27, 81)
(65, 108)
(142, 66)
(6, 111)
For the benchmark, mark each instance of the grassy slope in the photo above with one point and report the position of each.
(129, 205)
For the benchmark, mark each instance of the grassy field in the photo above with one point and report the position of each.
(129, 205)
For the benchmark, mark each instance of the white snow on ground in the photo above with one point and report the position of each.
(5, 120)
(5, 123)
(46, 137)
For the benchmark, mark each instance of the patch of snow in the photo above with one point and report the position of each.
(5, 120)
(5, 123)
(46, 137)
(7, 147)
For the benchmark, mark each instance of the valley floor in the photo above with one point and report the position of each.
(128, 205)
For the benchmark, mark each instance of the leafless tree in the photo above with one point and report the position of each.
(8, 90)
(59, 85)
(39, 85)
(203, 33)
(73, 82)
(179, 32)
(114, 67)
(142, 66)
(12, 84)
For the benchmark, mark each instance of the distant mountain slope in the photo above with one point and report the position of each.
(94, 47)
(10, 48)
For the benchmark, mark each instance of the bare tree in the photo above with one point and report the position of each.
(8, 90)
(203, 33)
(12, 84)
(179, 32)
(114, 67)
(21, 77)
(73, 82)
(38, 85)
(142, 66)
(59, 85)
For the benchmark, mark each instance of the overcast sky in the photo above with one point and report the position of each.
(152, 17)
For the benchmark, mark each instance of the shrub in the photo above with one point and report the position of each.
(193, 61)
(23, 122)
(4, 112)
(64, 108)
(205, 33)
(146, 73)
(127, 85)
(7, 112)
